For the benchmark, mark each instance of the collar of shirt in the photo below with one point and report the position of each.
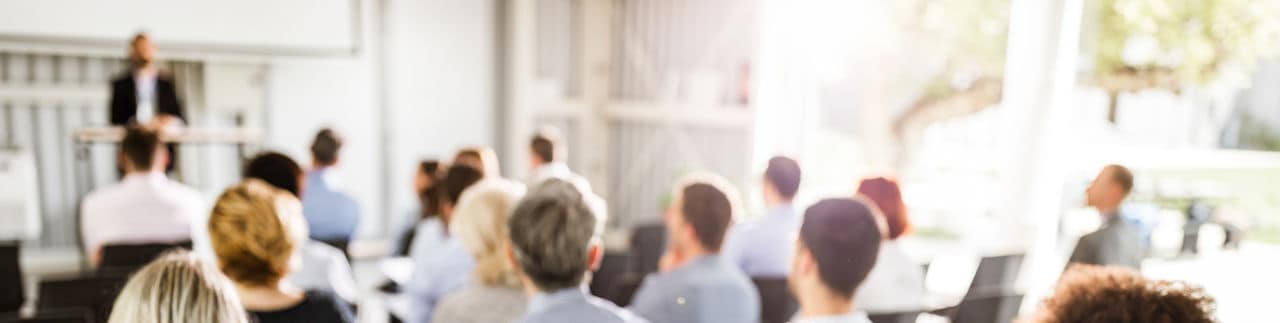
(852, 317)
(551, 170)
(147, 177)
(543, 301)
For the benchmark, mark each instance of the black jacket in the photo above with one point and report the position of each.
(124, 99)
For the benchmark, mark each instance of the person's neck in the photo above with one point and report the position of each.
(148, 69)
(822, 304)
(143, 172)
(691, 253)
(772, 204)
(320, 166)
(1109, 210)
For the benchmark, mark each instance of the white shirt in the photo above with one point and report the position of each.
(145, 83)
(142, 208)
(895, 284)
(854, 317)
(325, 268)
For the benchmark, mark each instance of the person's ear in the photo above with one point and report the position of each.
(163, 158)
(595, 255)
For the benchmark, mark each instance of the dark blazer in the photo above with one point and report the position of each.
(124, 99)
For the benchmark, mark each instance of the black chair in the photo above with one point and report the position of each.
(900, 317)
(66, 315)
(95, 294)
(12, 291)
(605, 281)
(998, 272)
(122, 259)
(777, 305)
(648, 242)
(988, 306)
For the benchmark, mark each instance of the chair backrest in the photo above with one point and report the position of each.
(647, 244)
(66, 315)
(777, 305)
(992, 306)
(605, 282)
(11, 286)
(125, 258)
(901, 317)
(999, 272)
(96, 294)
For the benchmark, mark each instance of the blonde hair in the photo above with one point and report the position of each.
(254, 229)
(480, 221)
(178, 287)
(481, 158)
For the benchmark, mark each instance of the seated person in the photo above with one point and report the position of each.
(145, 207)
(763, 247)
(256, 230)
(323, 266)
(896, 284)
(555, 243)
(176, 288)
(1091, 294)
(332, 215)
(838, 244)
(1117, 242)
(695, 284)
(446, 268)
(495, 293)
(429, 173)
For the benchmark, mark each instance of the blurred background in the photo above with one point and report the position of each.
(993, 114)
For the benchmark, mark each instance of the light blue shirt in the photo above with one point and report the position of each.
(574, 305)
(764, 247)
(706, 290)
(330, 214)
(853, 317)
(436, 276)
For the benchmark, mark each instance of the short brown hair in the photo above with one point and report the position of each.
(551, 232)
(140, 146)
(456, 180)
(1091, 294)
(1121, 176)
(254, 229)
(844, 240)
(326, 146)
(708, 208)
(546, 144)
(784, 174)
(276, 169)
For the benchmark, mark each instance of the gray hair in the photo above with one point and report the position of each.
(552, 230)
(178, 287)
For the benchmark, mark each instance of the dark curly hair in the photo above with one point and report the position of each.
(1091, 294)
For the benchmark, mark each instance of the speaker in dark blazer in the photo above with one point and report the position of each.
(124, 98)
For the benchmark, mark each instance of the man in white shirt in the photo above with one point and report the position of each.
(839, 242)
(546, 158)
(145, 207)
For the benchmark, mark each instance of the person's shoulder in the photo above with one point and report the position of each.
(318, 300)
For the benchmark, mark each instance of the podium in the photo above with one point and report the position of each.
(84, 138)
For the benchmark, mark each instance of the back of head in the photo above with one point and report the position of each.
(254, 229)
(844, 240)
(480, 221)
(547, 145)
(140, 147)
(552, 230)
(1121, 176)
(784, 174)
(887, 197)
(276, 169)
(706, 204)
(175, 288)
(481, 158)
(326, 146)
(456, 180)
(1090, 294)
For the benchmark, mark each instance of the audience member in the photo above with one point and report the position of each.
(427, 213)
(696, 285)
(839, 243)
(442, 269)
(256, 230)
(896, 283)
(323, 266)
(555, 242)
(1117, 242)
(764, 247)
(481, 158)
(145, 207)
(495, 293)
(332, 215)
(1091, 294)
(177, 288)
(547, 153)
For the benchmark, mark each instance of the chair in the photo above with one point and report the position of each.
(66, 315)
(94, 294)
(126, 258)
(605, 281)
(11, 286)
(900, 317)
(777, 305)
(988, 306)
(647, 245)
(996, 272)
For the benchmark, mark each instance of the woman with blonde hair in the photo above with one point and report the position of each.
(178, 287)
(255, 230)
(495, 293)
